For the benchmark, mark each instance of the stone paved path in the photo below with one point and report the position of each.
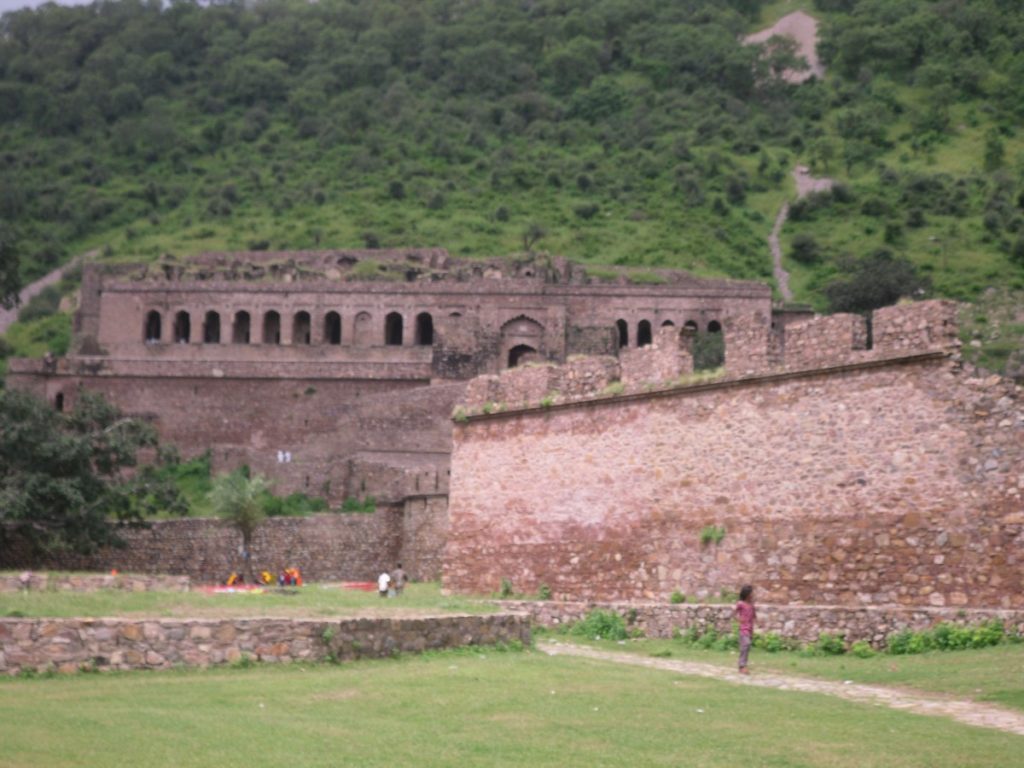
(920, 703)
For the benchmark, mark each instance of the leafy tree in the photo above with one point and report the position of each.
(64, 478)
(10, 279)
(876, 280)
(238, 498)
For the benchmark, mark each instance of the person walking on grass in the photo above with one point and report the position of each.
(746, 614)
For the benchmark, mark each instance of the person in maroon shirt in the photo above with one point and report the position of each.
(746, 614)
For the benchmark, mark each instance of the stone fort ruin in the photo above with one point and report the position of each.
(836, 460)
(335, 373)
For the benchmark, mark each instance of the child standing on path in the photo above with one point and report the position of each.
(746, 614)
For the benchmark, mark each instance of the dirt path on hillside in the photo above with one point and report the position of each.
(9, 316)
(805, 184)
(803, 28)
(917, 702)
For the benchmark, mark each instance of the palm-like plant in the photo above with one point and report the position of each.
(236, 498)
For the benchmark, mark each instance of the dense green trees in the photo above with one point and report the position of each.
(122, 123)
(65, 477)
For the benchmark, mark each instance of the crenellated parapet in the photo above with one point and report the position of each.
(752, 348)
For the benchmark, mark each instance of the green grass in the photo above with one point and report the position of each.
(477, 707)
(311, 600)
(986, 674)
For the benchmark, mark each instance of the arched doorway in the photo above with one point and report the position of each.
(272, 328)
(424, 329)
(622, 329)
(522, 353)
(302, 328)
(240, 330)
(332, 328)
(643, 333)
(182, 328)
(393, 329)
(211, 328)
(154, 326)
(521, 337)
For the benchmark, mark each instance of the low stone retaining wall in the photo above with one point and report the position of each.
(45, 581)
(69, 645)
(799, 622)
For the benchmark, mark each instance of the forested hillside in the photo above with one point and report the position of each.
(631, 132)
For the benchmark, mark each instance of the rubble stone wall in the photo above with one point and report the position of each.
(896, 481)
(47, 581)
(70, 645)
(327, 547)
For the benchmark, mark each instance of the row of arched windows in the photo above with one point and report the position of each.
(645, 332)
(241, 330)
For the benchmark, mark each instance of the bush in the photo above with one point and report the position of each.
(544, 592)
(367, 505)
(506, 589)
(770, 642)
(862, 649)
(828, 645)
(805, 249)
(712, 534)
(603, 625)
(677, 597)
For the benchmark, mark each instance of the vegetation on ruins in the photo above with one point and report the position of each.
(642, 133)
(65, 477)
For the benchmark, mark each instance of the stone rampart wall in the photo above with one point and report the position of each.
(44, 581)
(897, 481)
(326, 547)
(69, 645)
(802, 623)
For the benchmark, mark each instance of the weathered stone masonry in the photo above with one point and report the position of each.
(69, 645)
(883, 475)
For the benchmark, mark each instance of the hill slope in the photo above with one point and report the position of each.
(630, 132)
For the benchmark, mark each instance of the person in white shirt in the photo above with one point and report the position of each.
(383, 582)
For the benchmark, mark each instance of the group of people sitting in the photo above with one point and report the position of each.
(288, 577)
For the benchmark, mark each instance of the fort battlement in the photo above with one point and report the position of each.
(751, 348)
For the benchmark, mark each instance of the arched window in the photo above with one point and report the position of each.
(182, 328)
(520, 354)
(332, 328)
(393, 329)
(211, 328)
(668, 324)
(151, 333)
(58, 402)
(240, 330)
(714, 327)
(424, 329)
(643, 333)
(272, 328)
(691, 325)
(622, 327)
(302, 328)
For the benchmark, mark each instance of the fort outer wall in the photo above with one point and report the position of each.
(326, 547)
(850, 476)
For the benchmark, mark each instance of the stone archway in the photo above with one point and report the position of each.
(524, 334)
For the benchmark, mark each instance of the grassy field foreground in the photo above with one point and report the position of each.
(464, 708)
(309, 601)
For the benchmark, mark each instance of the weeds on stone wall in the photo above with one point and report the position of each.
(677, 597)
(711, 534)
(460, 415)
(505, 591)
(544, 592)
(367, 505)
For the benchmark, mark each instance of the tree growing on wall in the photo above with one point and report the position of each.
(237, 498)
(65, 478)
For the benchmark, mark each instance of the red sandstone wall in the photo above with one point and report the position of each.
(900, 482)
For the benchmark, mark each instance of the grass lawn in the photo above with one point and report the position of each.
(309, 601)
(462, 708)
(985, 674)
